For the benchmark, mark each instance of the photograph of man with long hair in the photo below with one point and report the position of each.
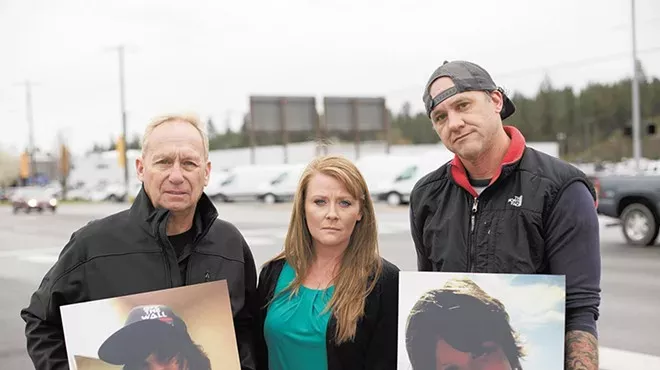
(459, 326)
(452, 321)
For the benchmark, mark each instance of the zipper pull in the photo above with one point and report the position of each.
(207, 276)
(474, 212)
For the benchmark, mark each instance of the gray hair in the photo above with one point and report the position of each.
(193, 119)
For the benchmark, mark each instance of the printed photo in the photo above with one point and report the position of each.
(185, 328)
(451, 321)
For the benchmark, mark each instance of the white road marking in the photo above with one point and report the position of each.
(22, 252)
(49, 255)
(617, 359)
(256, 241)
(47, 259)
(275, 232)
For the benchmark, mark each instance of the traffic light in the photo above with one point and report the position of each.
(65, 161)
(121, 151)
(627, 131)
(24, 165)
(650, 128)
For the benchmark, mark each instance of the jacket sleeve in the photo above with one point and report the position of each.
(382, 350)
(244, 322)
(262, 349)
(62, 284)
(423, 262)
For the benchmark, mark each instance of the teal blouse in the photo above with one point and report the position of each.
(295, 326)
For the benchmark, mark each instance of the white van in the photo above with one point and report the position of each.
(380, 168)
(216, 179)
(283, 187)
(247, 183)
(396, 190)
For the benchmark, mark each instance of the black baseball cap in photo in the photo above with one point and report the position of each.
(466, 76)
(142, 330)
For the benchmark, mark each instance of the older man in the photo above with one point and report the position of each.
(502, 207)
(171, 236)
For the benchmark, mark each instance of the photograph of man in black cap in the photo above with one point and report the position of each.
(460, 326)
(153, 337)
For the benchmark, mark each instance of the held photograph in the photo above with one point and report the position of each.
(452, 321)
(184, 328)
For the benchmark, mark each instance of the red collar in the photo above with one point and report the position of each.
(513, 154)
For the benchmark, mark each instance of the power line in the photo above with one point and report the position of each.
(575, 63)
(567, 64)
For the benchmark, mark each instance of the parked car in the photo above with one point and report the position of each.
(635, 201)
(33, 199)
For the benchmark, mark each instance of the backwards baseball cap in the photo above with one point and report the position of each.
(466, 76)
(144, 329)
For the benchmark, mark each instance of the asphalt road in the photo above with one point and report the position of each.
(628, 327)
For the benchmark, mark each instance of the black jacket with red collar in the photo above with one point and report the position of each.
(523, 222)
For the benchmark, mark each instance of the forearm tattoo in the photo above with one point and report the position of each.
(581, 351)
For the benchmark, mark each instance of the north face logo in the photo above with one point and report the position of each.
(516, 201)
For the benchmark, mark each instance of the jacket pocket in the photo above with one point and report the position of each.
(516, 244)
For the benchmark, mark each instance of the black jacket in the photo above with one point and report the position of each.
(537, 216)
(127, 253)
(375, 343)
(503, 229)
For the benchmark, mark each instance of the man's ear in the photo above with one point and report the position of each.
(498, 100)
(207, 173)
(139, 168)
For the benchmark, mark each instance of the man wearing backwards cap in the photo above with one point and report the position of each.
(502, 207)
(153, 337)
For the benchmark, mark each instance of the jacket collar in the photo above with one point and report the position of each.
(151, 219)
(512, 156)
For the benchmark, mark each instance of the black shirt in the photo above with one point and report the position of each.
(181, 244)
(573, 250)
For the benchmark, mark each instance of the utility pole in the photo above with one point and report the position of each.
(30, 121)
(122, 100)
(637, 143)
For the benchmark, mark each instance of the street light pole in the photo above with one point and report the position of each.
(30, 122)
(27, 84)
(122, 98)
(637, 144)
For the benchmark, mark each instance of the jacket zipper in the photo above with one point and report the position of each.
(473, 222)
(166, 257)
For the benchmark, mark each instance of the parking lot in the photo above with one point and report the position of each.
(29, 244)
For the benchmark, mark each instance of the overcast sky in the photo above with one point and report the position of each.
(210, 56)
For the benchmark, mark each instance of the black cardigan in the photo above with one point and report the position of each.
(375, 343)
